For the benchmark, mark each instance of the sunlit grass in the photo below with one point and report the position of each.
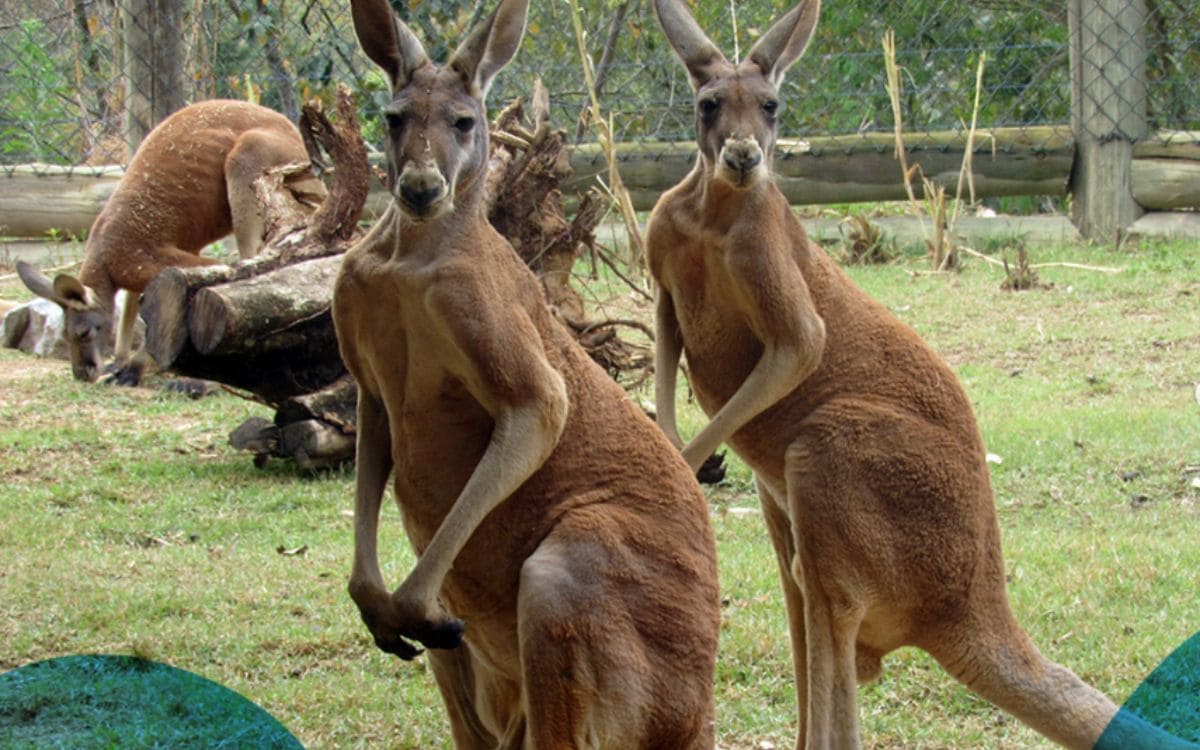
(130, 527)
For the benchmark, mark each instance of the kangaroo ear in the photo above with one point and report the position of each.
(491, 45)
(699, 55)
(72, 293)
(387, 41)
(36, 282)
(783, 44)
(65, 291)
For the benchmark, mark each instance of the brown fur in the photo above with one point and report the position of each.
(548, 513)
(870, 466)
(190, 183)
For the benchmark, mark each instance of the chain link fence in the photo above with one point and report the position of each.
(70, 80)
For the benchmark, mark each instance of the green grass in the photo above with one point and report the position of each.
(130, 527)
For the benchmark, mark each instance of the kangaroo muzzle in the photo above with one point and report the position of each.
(421, 190)
(740, 158)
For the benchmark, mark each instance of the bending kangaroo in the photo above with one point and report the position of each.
(190, 183)
(870, 467)
(552, 520)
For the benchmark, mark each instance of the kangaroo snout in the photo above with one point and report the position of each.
(86, 370)
(741, 156)
(420, 189)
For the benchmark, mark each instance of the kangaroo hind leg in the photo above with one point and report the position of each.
(604, 667)
(992, 656)
(255, 152)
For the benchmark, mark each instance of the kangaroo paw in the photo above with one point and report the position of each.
(398, 646)
(446, 634)
(126, 375)
(712, 470)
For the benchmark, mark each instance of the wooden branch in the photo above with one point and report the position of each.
(1166, 184)
(338, 216)
(36, 198)
(858, 167)
(827, 169)
(335, 404)
(314, 444)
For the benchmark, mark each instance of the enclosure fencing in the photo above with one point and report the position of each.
(81, 81)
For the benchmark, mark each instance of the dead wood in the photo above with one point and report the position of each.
(526, 205)
(264, 326)
(228, 323)
(263, 312)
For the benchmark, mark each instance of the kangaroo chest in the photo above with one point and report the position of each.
(438, 429)
(710, 307)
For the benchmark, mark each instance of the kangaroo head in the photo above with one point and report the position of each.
(87, 322)
(738, 106)
(437, 133)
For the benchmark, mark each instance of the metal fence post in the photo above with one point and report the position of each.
(1108, 111)
(154, 65)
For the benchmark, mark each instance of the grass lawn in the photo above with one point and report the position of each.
(128, 526)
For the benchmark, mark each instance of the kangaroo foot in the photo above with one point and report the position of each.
(712, 470)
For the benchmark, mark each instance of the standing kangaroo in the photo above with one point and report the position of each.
(190, 183)
(869, 464)
(565, 538)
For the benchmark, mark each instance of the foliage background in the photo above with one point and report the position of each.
(60, 72)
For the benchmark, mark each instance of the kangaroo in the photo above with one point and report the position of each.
(566, 577)
(870, 468)
(190, 183)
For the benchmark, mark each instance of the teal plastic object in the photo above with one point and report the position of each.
(97, 701)
(1163, 713)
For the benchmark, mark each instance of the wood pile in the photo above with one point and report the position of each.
(263, 326)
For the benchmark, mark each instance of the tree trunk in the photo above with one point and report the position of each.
(153, 65)
(264, 312)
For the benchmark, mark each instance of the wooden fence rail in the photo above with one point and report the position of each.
(36, 199)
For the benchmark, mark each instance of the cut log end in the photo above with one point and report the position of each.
(165, 310)
(209, 321)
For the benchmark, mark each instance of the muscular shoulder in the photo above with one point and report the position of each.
(664, 233)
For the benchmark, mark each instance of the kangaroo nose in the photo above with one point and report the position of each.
(420, 196)
(420, 187)
(742, 155)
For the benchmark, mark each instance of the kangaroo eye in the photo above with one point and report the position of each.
(708, 107)
(394, 121)
(464, 125)
(770, 106)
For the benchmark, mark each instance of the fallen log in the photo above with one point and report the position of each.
(262, 312)
(333, 404)
(264, 325)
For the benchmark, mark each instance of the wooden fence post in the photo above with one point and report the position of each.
(154, 62)
(1108, 111)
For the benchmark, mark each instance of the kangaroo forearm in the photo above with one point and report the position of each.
(776, 375)
(667, 352)
(373, 460)
(521, 442)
